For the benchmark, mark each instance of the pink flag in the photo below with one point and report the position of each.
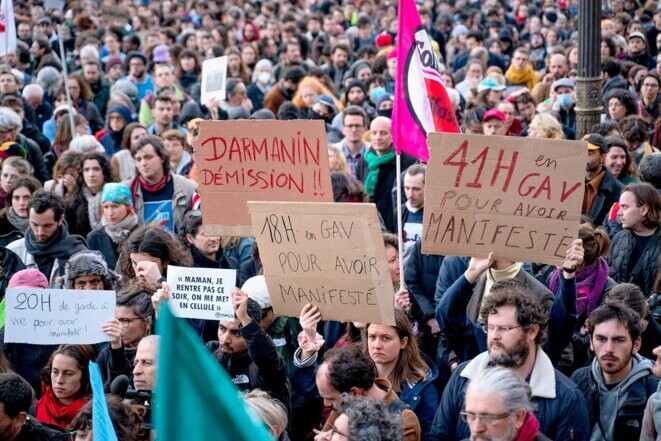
(421, 103)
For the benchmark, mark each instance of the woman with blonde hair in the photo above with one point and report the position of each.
(545, 126)
(337, 162)
(271, 411)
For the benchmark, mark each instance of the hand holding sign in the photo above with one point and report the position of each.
(574, 259)
(159, 296)
(240, 301)
(402, 300)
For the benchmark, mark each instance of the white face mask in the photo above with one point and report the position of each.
(264, 77)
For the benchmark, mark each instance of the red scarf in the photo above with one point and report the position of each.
(51, 410)
(529, 430)
(139, 182)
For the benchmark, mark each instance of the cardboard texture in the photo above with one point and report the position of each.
(241, 161)
(518, 197)
(330, 255)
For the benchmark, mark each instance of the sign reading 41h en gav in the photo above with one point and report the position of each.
(518, 197)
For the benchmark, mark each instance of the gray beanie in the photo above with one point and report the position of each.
(88, 263)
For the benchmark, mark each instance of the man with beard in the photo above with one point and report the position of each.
(100, 87)
(619, 381)
(137, 67)
(515, 323)
(248, 354)
(602, 189)
(284, 90)
(47, 244)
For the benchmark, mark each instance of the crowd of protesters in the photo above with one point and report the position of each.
(101, 194)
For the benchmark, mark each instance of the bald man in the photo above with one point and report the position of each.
(379, 179)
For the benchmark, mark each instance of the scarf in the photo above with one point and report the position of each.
(590, 285)
(61, 246)
(527, 77)
(139, 182)
(529, 430)
(122, 229)
(374, 163)
(93, 207)
(20, 223)
(50, 410)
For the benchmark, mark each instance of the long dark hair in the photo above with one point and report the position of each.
(155, 242)
(82, 354)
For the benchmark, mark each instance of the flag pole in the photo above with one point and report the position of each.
(400, 243)
(66, 81)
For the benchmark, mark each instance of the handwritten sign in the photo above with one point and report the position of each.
(214, 77)
(201, 293)
(518, 197)
(241, 161)
(330, 255)
(56, 316)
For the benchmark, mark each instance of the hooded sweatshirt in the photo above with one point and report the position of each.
(610, 401)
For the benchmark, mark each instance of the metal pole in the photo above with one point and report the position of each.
(588, 87)
(66, 82)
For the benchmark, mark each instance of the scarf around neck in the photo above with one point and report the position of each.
(93, 207)
(122, 229)
(50, 410)
(530, 429)
(374, 163)
(140, 182)
(20, 223)
(61, 246)
(527, 77)
(590, 285)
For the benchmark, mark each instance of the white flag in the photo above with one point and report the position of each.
(7, 28)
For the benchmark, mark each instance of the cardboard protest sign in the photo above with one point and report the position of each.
(214, 76)
(241, 161)
(201, 293)
(518, 197)
(330, 255)
(56, 316)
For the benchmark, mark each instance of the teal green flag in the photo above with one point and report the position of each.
(195, 399)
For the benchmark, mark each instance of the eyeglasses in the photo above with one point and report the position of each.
(486, 418)
(127, 321)
(500, 329)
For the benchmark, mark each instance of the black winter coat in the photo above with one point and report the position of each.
(644, 270)
(10, 264)
(608, 194)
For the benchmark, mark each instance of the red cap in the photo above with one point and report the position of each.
(494, 113)
(383, 40)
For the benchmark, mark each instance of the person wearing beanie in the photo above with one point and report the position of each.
(27, 360)
(117, 118)
(88, 270)
(118, 221)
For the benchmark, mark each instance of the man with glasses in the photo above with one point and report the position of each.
(354, 126)
(649, 105)
(515, 322)
(498, 407)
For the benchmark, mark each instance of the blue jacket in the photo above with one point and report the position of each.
(467, 339)
(423, 398)
(561, 408)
